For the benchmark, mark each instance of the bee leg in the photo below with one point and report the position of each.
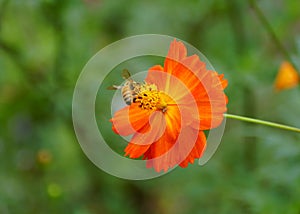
(117, 86)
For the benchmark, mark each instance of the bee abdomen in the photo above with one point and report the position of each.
(127, 95)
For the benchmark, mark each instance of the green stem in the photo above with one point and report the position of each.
(270, 31)
(262, 122)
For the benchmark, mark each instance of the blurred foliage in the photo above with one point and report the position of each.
(44, 44)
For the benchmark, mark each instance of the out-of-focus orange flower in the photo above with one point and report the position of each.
(44, 156)
(173, 107)
(287, 77)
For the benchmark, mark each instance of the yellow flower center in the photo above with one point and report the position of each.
(150, 98)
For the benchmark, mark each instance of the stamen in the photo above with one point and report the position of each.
(150, 98)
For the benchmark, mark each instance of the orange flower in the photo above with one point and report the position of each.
(173, 107)
(287, 77)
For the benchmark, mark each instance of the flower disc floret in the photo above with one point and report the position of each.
(149, 98)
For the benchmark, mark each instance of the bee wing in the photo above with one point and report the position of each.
(125, 74)
(114, 87)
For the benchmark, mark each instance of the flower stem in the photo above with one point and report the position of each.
(262, 18)
(262, 122)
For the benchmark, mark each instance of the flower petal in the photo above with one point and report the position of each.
(130, 119)
(156, 154)
(197, 150)
(142, 140)
(151, 134)
(156, 76)
(223, 81)
(176, 53)
(287, 77)
(165, 142)
(173, 121)
(163, 154)
(211, 101)
(135, 151)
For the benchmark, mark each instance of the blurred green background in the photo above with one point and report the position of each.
(44, 44)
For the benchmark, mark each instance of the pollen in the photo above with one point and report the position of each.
(150, 98)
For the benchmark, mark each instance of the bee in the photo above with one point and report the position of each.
(129, 89)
